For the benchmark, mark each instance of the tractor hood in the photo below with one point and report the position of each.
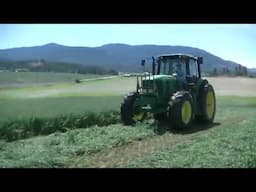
(165, 84)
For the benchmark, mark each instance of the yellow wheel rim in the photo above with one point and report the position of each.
(186, 112)
(138, 116)
(210, 104)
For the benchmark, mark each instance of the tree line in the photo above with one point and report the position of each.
(50, 66)
(237, 71)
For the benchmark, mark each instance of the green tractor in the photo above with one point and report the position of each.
(173, 91)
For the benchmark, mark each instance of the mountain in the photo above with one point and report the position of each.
(121, 57)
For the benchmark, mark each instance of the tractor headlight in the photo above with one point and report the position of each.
(149, 90)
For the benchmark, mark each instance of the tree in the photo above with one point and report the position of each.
(236, 70)
(215, 72)
(245, 73)
(113, 72)
(239, 69)
(227, 70)
(42, 61)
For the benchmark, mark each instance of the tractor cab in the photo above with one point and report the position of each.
(185, 68)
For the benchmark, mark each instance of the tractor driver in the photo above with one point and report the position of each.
(180, 71)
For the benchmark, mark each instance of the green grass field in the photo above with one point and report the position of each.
(31, 110)
(64, 149)
(18, 109)
(40, 77)
(61, 98)
(230, 142)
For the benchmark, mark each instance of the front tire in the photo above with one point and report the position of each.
(130, 113)
(180, 110)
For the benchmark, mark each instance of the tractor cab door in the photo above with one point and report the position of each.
(191, 72)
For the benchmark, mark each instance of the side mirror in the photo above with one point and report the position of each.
(200, 60)
(143, 62)
(153, 65)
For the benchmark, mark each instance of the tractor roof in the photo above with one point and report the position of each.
(178, 55)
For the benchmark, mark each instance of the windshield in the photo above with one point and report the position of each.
(170, 66)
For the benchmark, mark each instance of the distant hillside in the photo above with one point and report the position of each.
(252, 71)
(120, 57)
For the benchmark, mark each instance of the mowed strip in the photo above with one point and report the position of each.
(232, 146)
(59, 149)
(119, 156)
(232, 113)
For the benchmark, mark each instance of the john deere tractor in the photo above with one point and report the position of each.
(174, 91)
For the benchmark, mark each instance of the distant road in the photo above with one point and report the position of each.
(99, 78)
(6, 85)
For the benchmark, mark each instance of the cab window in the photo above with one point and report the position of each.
(193, 68)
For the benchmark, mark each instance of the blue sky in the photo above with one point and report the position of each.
(236, 42)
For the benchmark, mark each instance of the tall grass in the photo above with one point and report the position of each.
(21, 129)
(20, 109)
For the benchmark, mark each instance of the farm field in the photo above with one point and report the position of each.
(230, 142)
(239, 86)
(19, 109)
(14, 79)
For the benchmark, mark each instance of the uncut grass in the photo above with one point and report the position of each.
(41, 77)
(115, 86)
(20, 129)
(23, 109)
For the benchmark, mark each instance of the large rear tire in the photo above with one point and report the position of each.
(180, 110)
(130, 113)
(160, 117)
(207, 104)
